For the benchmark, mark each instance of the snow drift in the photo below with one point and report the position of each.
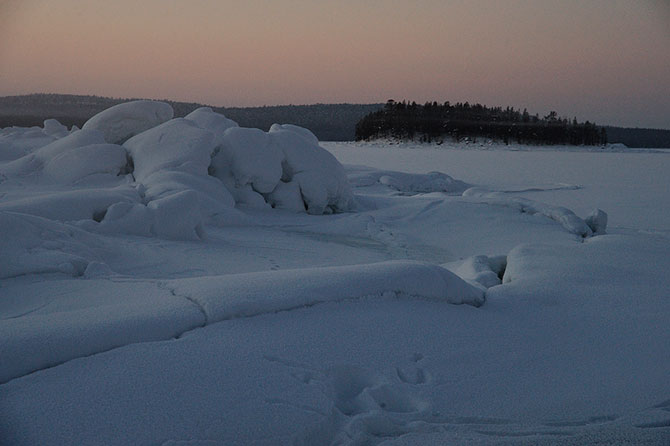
(170, 176)
(118, 317)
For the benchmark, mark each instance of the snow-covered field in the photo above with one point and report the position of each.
(189, 282)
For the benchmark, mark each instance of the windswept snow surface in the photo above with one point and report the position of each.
(177, 289)
(120, 122)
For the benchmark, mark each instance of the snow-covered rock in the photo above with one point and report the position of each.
(214, 198)
(177, 144)
(305, 133)
(120, 122)
(206, 118)
(483, 270)
(76, 139)
(322, 179)
(597, 221)
(54, 128)
(81, 162)
(247, 157)
(16, 142)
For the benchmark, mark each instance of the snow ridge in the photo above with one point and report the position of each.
(562, 215)
(53, 340)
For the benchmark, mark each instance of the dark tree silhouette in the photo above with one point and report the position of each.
(435, 122)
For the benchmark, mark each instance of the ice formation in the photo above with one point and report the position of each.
(169, 176)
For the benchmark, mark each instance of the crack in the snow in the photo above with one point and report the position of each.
(172, 291)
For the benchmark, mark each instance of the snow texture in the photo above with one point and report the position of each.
(321, 178)
(597, 221)
(407, 183)
(153, 294)
(251, 294)
(562, 215)
(120, 122)
(206, 118)
(80, 327)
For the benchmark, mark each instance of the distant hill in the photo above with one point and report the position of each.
(636, 137)
(330, 122)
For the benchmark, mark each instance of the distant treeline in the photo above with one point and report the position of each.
(636, 137)
(329, 122)
(433, 121)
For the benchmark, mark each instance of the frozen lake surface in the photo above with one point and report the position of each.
(239, 287)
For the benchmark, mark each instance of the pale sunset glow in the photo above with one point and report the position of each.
(604, 60)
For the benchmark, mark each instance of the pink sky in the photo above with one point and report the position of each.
(603, 60)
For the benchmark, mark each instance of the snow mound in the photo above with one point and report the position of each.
(16, 142)
(214, 198)
(250, 294)
(482, 270)
(305, 133)
(321, 178)
(296, 173)
(81, 162)
(174, 159)
(120, 122)
(407, 183)
(206, 118)
(177, 144)
(33, 163)
(237, 162)
(170, 177)
(34, 245)
(564, 216)
(597, 221)
(54, 128)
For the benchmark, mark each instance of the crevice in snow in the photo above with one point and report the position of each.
(129, 167)
(482, 271)
(173, 292)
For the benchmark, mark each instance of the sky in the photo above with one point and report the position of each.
(607, 61)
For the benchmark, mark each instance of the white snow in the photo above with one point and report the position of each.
(305, 133)
(237, 161)
(564, 216)
(175, 145)
(174, 290)
(80, 162)
(206, 118)
(54, 128)
(407, 183)
(597, 221)
(120, 122)
(322, 180)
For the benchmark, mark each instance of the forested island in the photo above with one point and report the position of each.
(461, 121)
